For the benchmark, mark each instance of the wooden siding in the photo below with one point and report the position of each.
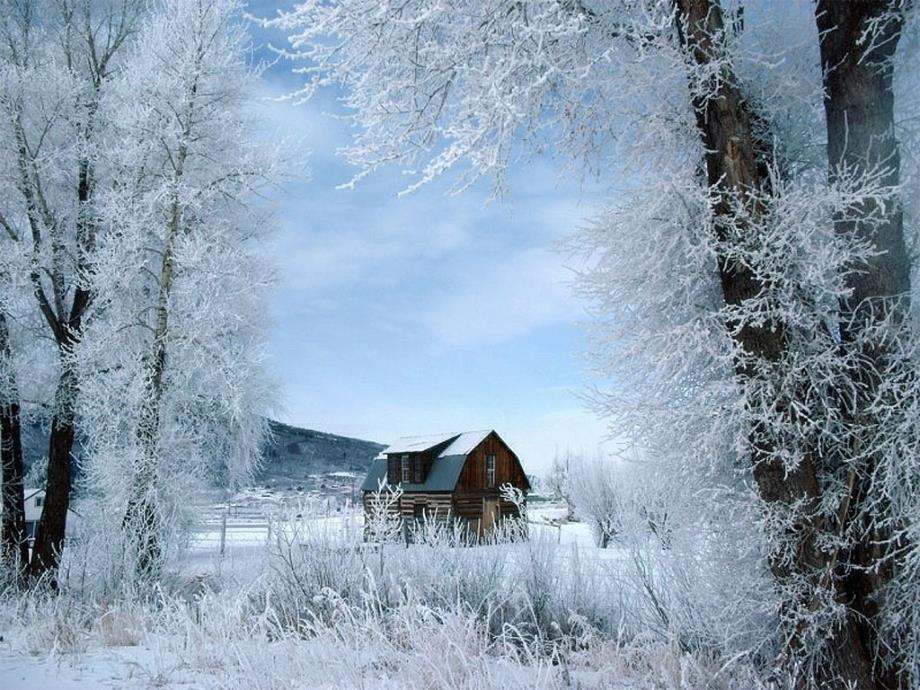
(366, 500)
(437, 505)
(508, 468)
(468, 504)
(472, 491)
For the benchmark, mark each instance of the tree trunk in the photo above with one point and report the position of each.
(859, 106)
(142, 517)
(67, 330)
(736, 168)
(15, 542)
(49, 537)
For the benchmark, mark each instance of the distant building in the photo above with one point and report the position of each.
(34, 503)
(456, 476)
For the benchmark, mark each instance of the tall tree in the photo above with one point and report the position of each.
(858, 44)
(59, 56)
(858, 63)
(184, 282)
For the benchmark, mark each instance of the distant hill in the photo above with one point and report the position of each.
(292, 457)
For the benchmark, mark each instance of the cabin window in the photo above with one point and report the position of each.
(418, 469)
(406, 469)
(39, 501)
(490, 471)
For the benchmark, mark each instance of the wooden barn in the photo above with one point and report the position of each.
(450, 476)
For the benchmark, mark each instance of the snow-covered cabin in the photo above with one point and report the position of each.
(456, 475)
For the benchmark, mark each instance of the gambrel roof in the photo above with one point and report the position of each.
(446, 467)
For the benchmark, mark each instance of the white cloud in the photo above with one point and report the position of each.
(500, 298)
(372, 248)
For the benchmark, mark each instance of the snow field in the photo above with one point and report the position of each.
(306, 605)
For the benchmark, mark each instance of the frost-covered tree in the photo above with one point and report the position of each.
(182, 277)
(14, 545)
(751, 280)
(558, 481)
(57, 59)
(130, 165)
(595, 491)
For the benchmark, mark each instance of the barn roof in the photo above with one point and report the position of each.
(466, 443)
(446, 468)
(443, 475)
(416, 444)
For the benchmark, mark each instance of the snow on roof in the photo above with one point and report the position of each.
(461, 443)
(416, 444)
(466, 442)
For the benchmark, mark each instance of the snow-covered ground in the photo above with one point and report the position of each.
(210, 633)
(106, 667)
(228, 544)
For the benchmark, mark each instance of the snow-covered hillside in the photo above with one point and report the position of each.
(295, 459)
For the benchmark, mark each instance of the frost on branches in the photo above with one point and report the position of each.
(56, 59)
(130, 165)
(750, 279)
(184, 405)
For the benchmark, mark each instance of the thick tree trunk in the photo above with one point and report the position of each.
(49, 537)
(67, 329)
(15, 543)
(736, 171)
(857, 62)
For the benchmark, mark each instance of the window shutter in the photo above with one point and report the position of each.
(418, 469)
(392, 470)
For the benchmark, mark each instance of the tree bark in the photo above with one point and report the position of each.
(142, 516)
(736, 169)
(49, 536)
(859, 107)
(15, 542)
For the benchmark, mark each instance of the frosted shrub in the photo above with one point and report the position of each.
(689, 589)
(597, 497)
(306, 558)
(528, 614)
(383, 520)
(49, 624)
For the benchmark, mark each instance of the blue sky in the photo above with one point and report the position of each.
(429, 312)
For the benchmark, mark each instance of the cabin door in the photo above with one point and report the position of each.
(490, 514)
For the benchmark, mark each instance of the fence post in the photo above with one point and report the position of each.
(223, 532)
